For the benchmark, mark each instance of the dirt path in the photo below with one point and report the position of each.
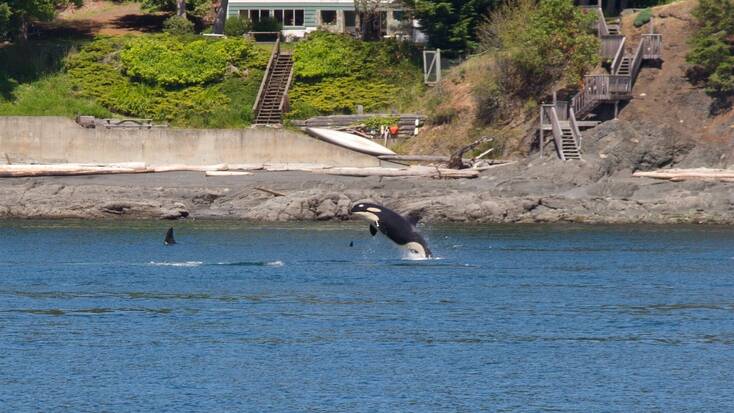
(105, 18)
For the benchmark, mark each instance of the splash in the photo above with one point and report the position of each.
(176, 264)
(274, 264)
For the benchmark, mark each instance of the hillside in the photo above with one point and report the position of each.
(665, 103)
(667, 110)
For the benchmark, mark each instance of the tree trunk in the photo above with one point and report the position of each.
(181, 8)
(370, 25)
(221, 17)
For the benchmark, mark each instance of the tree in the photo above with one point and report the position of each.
(17, 15)
(712, 52)
(221, 16)
(181, 7)
(369, 18)
(451, 24)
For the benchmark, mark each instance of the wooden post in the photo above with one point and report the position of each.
(425, 65)
(438, 65)
(542, 134)
(616, 109)
(652, 28)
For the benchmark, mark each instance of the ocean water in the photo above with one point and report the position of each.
(238, 318)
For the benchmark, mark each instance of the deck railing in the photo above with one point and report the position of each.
(653, 44)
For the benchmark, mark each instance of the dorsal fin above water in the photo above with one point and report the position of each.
(169, 237)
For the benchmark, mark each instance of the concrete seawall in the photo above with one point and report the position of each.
(51, 139)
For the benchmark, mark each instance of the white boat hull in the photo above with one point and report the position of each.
(349, 141)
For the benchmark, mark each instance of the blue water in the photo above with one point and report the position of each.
(238, 318)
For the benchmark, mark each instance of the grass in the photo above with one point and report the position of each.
(50, 95)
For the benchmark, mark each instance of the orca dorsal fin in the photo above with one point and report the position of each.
(169, 237)
(373, 230)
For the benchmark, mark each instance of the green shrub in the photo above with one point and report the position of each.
(111, 70)
(235, 26)
(51, 95)
(334, 73)
(170, 61)
(376, 122)
(178, 26)
(539, 44)
(267, 24)
(643, 17)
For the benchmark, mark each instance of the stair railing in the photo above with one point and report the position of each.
(618, 57)
(552, 114)
(636, 64)
(610, 44)
(603, 29)
(266, 77)
(574, 128)
(284, 99)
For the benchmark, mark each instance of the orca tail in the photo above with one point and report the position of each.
(169, 237)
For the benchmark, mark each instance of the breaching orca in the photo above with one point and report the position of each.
(169, 237)
(399, 229)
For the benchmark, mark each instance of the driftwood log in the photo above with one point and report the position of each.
(457, 158)
(269, 191)
(71, 169)
(418, 171)
(725, 175)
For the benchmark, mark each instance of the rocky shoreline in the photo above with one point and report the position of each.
(599, 189)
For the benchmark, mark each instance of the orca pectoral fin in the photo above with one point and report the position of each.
(413, 218)
(373, 230)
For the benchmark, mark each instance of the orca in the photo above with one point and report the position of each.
(399, 229)
(169, 237)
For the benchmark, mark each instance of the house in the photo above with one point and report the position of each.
(302, 16)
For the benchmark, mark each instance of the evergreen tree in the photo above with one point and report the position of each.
(712, 54)
(451, 24)
(16, 15)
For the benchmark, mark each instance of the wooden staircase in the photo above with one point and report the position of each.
(564, 118)
(625, 66)
(569, 148)
(272, 98)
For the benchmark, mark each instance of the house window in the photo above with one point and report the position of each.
(350, 18)
(398, 15)
(244, 14)
(299, 17)
(289, 18)
(254, 16)
(328, 16)
(264, 13)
